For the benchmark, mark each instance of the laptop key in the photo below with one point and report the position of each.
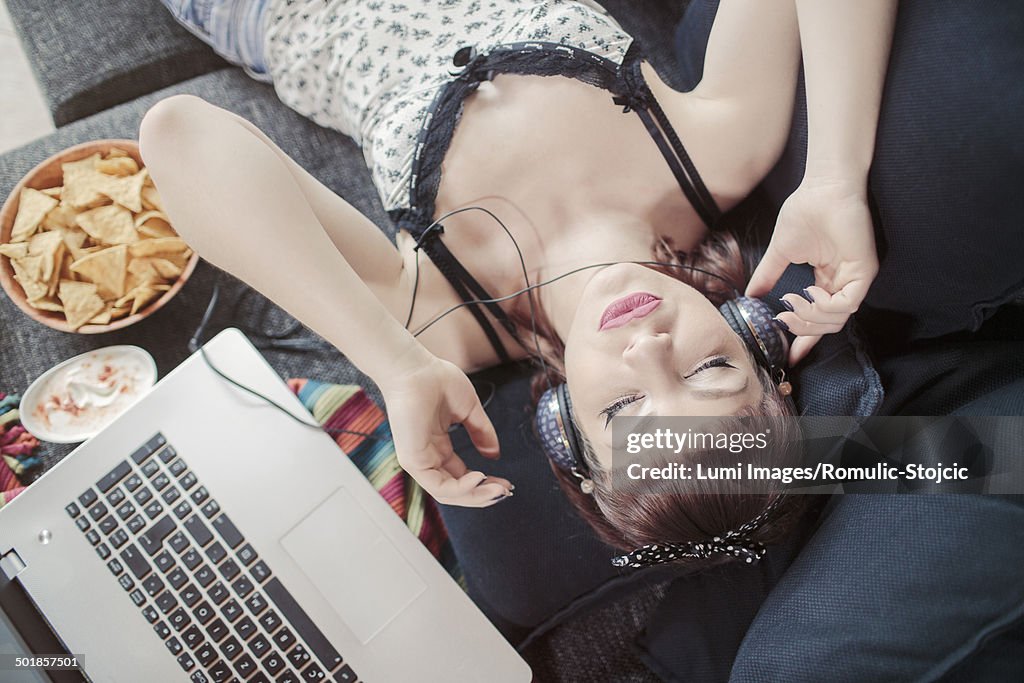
(192, 559)
(138, 598)
(245, 628)
(108, 480)
(108, 524)
(103, 551)
(270, 621)
(150, 613)
(190, 595)
(300, 621)
(160, 481)
(151, 468)
(125, 511)
(220, 672)
(273, 663)
(218, 592)
(72, 509)
(247, 554)
(205, 576)
(168, 454)
(260, 571)
(298, 656)
(203, 612)
(284, 638)
(118, 538)
(170, 495)
(133, 482)
(313, 673)
(243, 586)
(217, 629)
(177, 578)
(210, 508)
(93, 536)
(136, 523)
(83, 523)
(97, 511)
(345, 675)
(231, 610)
(177, 467)
(154, 509)
(200, 495)
(182, 509)
(197, 528)
(259, 645)
(166, 601)
(193, 637)
(178, 542)
(186, 662)
(259, 677)
(164, 562)
(162, 630)
(187, 481)
(179, 619)
(230, 647)
(143, 495)
(126, 582)
(115, 566)
(228, 531)
(153, 584)
(216, 552)
(229, 569)
(135, 561)
(205, 653)
(174, 645)
(287, 677)
(244, 665)
(199, 677)
(88, 498)
(116, 496)
(152, 540)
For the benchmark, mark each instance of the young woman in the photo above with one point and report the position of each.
(543, 117)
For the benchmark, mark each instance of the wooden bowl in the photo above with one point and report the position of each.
(49, 174)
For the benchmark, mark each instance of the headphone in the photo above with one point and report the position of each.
(749, 318)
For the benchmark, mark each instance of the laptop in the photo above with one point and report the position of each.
(206, 536)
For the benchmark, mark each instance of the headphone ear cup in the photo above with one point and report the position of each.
(573, 436)
(551, 428)
(766, 341)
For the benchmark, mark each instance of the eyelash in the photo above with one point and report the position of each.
(623, 401)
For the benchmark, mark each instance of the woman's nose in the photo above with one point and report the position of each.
(648, 349)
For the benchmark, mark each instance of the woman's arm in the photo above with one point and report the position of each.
(237, 203)
(826, 222)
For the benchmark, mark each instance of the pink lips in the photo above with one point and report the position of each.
(629, 307)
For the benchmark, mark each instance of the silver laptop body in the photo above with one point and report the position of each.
(295, 531)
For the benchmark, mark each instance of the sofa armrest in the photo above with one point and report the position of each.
(90, 56)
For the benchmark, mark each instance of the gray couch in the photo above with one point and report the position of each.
(857, 603)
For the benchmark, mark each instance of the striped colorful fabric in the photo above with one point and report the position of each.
(17, 449)
(347, 407)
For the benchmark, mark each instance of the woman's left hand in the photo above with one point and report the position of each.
(826, 223)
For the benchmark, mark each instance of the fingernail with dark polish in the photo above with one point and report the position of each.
(781, 324)
(785, 304)
(807, 295)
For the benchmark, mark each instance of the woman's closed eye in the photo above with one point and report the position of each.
(623, 401)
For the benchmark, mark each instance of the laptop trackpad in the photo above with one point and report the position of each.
(353, 565)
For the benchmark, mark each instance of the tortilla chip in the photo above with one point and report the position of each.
(117, 166)
(46, 304)
(81, 302)
(60, 217)
(33, 205)
(33, 286)
(124, 191)
(103, 318)
(116, 152)
(151, 198)
(157, 245)
(109, 224)
(118, 313)
(167, 269)
(53, 192)
(143, 297)
(106, 268)
(14, 250)
(81, 182)
(45, 243)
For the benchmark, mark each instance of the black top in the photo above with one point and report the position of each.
(626, 84)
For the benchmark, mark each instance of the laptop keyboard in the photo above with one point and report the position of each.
(215, 604)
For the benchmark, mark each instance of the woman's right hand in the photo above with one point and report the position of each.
(422, 402)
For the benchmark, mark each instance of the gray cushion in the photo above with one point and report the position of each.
(89, 56)
(29, 348)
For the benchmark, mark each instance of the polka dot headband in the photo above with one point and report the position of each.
(736, 543)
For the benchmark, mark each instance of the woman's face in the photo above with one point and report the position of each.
(643, 343)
